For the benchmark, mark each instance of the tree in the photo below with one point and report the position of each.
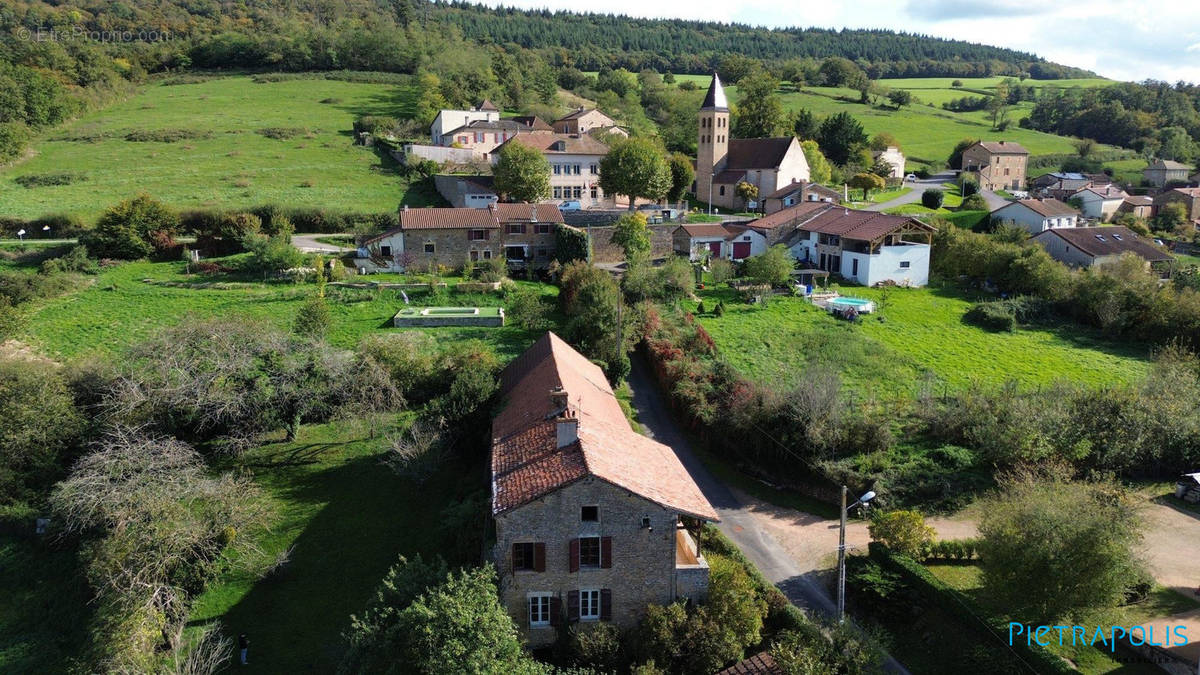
(805, 125)
(1169, 217)
(997, 106)
(900, 97)
(933, 198)
(901, 531)
(882, 168)
(883, 140)
(837, 71)
(955, 159)
(522, 174)
(840, 136)
(819, 170)
(41, 426)
(1176, 144)
(1051, 550)
(974, 202)
(747, 192)
(866, 182)
(759, 112)
(771, 267)
(132, 229)
(635, 167)
(313, 318)
(1084, 147)
(632, 235)
(590, 298)
(682, 175)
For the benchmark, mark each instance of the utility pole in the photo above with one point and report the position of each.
(841, 607)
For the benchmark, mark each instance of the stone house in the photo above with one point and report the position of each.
(894, 158)
(998, 165)
(1162, 171)
(448, 120)
(722, 162)
(731, 242)
(522, 235)
(482, 137)
(1036, 215)
(1061, 185)
(1189, 197)
(1100, 203)
(585, 121)
(593, 521)
(800, 191)
(1088, 246)
(1139, 205)
(574, 165)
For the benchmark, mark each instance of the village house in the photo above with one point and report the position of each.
(483, 136)
(522, 235)
(800, 191)
(731, 242)
(894, 158)
(1189, 197)
(574, 165)
(1100, 202)
(594, 521)
(1162, 171)
(472, 192)
(1061, 185)
(1090, 246)
(1036, 215)
(723, 162)
(997, 165)
(448, 120)
(585, 121)
(1138, 205)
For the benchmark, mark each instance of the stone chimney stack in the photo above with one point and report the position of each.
(558, 398)
(567, 427)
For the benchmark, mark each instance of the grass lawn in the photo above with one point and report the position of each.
(117, 308)
(346, 518)
(923, 336)
(229, 163)
(880, 196)
(1088, 659)
(44, 612)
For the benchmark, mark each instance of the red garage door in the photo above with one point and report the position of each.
(714, 247)
(741, 249)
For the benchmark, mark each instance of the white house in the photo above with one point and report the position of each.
(574, 165)
(1100, 202)
(894, 158)
(449, 120)
(1037, 215)
(1088, 246)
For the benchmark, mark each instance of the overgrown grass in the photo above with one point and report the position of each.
(205, 146)
(922, 341)
(117, 308)
(44, 611)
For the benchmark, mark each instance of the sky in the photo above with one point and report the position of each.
(1119, 39)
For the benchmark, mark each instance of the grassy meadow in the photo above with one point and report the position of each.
(921, 338)
(222, 155)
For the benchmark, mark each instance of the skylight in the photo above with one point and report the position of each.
(1100, 237)
(1117, 237)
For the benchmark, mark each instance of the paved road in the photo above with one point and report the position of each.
(994, 201)
(914, 197)
(739, 520)
(309, 244)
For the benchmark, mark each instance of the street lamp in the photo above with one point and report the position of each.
(862, 501)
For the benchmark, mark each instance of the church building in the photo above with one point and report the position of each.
(723, 162)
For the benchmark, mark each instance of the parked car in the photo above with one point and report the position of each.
(570, 206)
(911, 178)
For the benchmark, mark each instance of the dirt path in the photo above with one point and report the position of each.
(1172, 547)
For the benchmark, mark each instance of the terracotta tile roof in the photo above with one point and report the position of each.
(492, 125)
(442, 218)
(761, 663)
(757, 153)
(544, 142)
(533, 122)
(1046, 208)
(711, 230)
(786, 190)
(859, 225)
(1106, 241)
(785, 216)
(1003, 147)
(488, 105)
(523, 212)
(526, 464)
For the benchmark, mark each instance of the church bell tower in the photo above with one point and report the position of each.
(713, 143)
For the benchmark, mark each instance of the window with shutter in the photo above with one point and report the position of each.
(589, 552)
(523, 557)
(589, 604)
(539, 557)
(572, 605)
(573, 557)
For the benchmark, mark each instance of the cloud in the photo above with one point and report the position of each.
(949, 10)
(1193, 47)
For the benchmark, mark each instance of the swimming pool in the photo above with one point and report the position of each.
(860, 304)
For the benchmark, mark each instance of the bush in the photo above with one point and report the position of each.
(721, 270)
(528, 310)
(597, 646)
(76, 260)
(922, 172)
(35, 180)
(41, 427)
(132, 229)
(996, 316)
(901, 531)
(282, 133)
(166, 135)
(933, 198)
(969, 187)
(571, 244)
(313, 318)
(271, 254)
(772, 267)
(974, 202)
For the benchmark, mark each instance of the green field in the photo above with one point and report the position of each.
(118, 308)
(923, 336)
(230, 163)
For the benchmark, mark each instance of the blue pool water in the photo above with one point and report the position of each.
(854, 302)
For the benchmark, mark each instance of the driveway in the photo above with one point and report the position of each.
(914, 197)
(994, 201)
(742, 520)
(308, 243)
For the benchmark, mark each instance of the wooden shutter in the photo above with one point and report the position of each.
(605, 604)
(606, 552)
(572, 605)
(539, 557)
(512, 559)
(556, 617)
(573, 564)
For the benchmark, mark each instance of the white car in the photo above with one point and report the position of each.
(911, 178)
(570, 206)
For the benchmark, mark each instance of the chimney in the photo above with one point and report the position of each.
(566, 426)
(406, 207)
(558, 398)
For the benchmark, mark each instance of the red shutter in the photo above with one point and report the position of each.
(556, 617)
(539, 557)
(606, 552)
(605, 604)
(573, 562)
(572, 605)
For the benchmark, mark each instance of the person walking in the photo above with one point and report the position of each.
(243, 647)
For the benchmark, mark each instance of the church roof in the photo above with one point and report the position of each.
(757, 153)
(715, 99)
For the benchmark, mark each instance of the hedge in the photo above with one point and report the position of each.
(571, 243)
(958, 605)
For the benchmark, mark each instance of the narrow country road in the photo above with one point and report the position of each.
(913, 197)
(740, 521)
(308, 243)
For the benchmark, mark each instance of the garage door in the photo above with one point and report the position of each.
(714, 247)
(741, 250)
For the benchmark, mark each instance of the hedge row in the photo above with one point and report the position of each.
(958, 605)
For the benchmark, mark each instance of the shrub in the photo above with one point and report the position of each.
(571, 244)
(996, 316)
(719, 310)
(41, 427)
(492, 270)
(527, 309)
(721, 270)
(11, 318)
(282, 133)
(974, 202)
(969, 187)
(597, 646)
(271, 254)
(36, 180)
(932, 198)
(76, 260)
(133, 229)
(922, 172)
(313, 319)
(901, 531)
(166, 135)
(772, 267)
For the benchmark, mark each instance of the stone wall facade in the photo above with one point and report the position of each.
(641, 570)
(451, 247)
(995, 171)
